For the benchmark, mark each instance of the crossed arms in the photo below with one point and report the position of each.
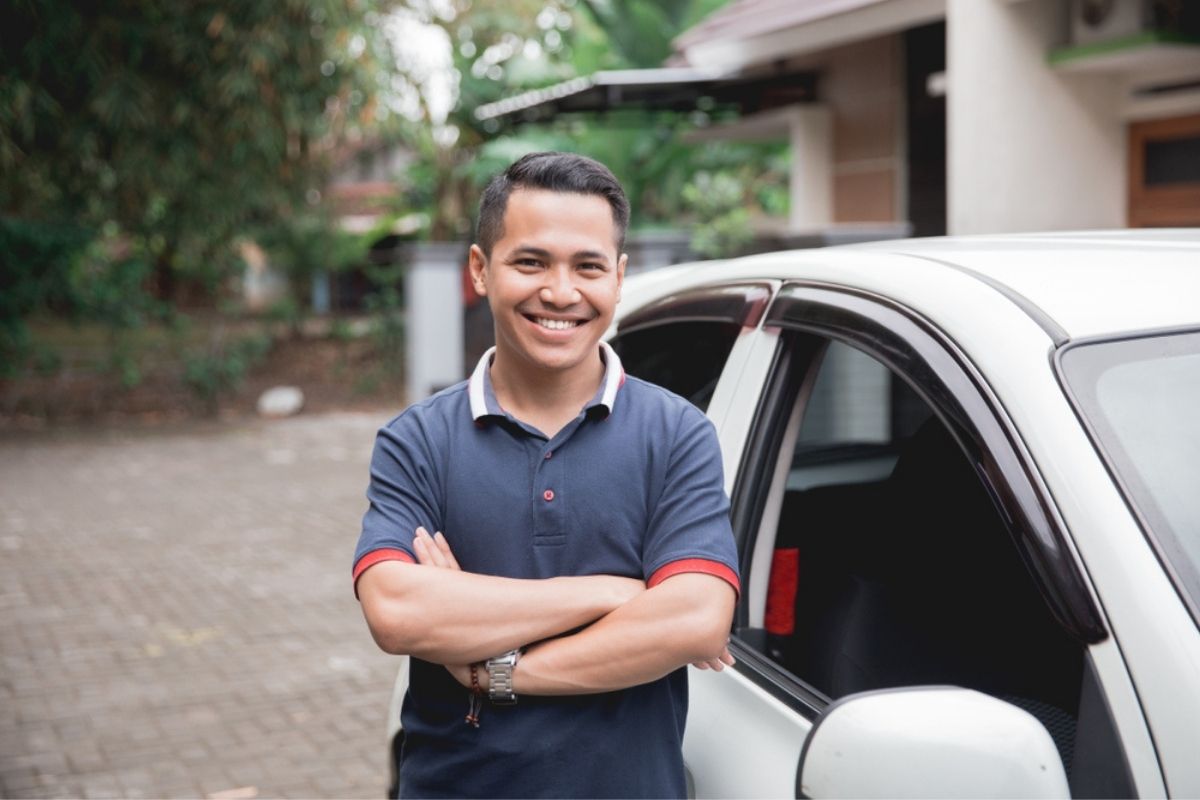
(436, 612)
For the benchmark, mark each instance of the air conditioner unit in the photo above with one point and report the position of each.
(1095, 21)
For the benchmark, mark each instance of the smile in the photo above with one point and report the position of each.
(556, 324)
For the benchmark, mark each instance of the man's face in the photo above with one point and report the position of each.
(553, 280)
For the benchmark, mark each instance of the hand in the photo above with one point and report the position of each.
(434, 551)
(719, 663)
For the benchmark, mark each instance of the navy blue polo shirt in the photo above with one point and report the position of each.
(633, 486)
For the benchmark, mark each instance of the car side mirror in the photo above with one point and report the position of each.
(929, 741)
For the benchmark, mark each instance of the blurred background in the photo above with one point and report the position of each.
(232, 243)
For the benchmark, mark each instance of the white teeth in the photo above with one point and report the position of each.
(556, 324)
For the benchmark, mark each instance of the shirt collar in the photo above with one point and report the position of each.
(483, 396)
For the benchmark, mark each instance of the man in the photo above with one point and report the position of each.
(581, 554)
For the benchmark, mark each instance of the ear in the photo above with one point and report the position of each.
(621, 263)
(477, 263)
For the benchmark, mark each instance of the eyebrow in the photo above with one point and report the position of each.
(540, 252)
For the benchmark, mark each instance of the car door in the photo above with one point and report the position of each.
(697, 343)
(892, 533)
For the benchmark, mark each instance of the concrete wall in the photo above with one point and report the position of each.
(863, 85)
(848, 151)
(1029, 148)
(434, 318)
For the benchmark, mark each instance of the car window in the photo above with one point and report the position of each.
(1141, 396)
(892, 565)
(685, 357)
(853, 421)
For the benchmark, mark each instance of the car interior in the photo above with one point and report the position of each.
(892, 566)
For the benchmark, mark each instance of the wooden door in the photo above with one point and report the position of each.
(1164, 173)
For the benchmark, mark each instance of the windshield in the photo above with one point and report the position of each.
(1141, 399)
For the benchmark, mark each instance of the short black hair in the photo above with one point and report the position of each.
(554, 172)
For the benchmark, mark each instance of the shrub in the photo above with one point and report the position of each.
(223, 367)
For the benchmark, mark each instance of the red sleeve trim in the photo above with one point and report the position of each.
(702, 565)
(374, 557)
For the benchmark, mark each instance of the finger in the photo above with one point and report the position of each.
(700, 664)
(432, 556)
(727, 657)
(436, 557)
(440, 539)
(421, 551)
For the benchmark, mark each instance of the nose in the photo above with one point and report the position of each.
(559, 287)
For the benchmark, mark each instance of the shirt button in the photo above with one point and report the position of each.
(548, 495)
(548, 454)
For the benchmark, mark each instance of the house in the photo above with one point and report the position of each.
(944, 116)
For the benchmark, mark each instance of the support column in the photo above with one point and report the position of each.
(810, 129)
(433, 331)
(1029, 148)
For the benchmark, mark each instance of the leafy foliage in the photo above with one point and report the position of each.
(139, 141)
(640, 31)
(222, 367)
(734, 182)
(308, 244)
(645, 149)
(725, 222)
(66, 270)
(386, 304)
(178, 123)
(35, 261)
(492, 49)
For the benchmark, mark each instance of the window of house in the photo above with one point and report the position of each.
(1164, 172)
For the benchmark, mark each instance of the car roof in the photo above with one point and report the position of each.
(1075, 284)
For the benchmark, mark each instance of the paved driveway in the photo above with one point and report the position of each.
(176, 617)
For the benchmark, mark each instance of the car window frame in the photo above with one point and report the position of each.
(1064, 373)
(808, 313)
(739, 302)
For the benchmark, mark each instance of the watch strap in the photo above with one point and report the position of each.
(500, 678)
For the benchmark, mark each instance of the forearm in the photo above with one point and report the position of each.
(682, 620)
(453, 617)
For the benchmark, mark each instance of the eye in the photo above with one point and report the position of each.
(528, 263)
(592, 266)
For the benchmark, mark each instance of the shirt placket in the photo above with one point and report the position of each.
(549, 497)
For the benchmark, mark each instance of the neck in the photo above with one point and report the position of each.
(538, 395)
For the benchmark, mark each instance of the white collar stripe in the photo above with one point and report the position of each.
(475, 388)
(613, 376)
(480, 383)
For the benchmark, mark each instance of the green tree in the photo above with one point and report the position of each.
(640, 31)
(500, 49)
(178, 124)
(160, 133)
(489, 50)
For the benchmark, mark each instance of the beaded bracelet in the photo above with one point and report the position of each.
(475, 701)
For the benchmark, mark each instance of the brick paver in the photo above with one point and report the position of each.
(176, 617)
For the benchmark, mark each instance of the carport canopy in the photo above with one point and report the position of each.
(681, 89)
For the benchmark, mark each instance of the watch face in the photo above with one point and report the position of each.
(508, 659)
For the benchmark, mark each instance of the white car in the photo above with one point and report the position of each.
(965, 484)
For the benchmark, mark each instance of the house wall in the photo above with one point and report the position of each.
(1028, 148)
(862, 84)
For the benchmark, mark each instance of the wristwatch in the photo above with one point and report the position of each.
(500, 678)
